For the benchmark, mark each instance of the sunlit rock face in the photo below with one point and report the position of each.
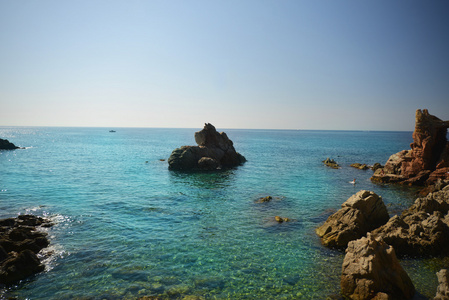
(428, 158)
(214, 151)
(371, 270)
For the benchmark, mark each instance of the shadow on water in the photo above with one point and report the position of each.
(219, 179)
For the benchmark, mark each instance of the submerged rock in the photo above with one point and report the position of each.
(214, 151)
(358, 215)
(7, 145)
(428, 158)
(19, 244)
(371, 270)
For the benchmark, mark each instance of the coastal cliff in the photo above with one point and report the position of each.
(426, 161)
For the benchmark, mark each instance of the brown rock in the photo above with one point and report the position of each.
(359, 166)
(429, 153)
(371, 270)
(421, 230)
(359, 214)
(443, 285)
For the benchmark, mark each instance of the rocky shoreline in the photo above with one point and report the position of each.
(20, 241)
(7, 145)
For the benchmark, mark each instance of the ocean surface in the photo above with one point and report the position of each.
(127, 227)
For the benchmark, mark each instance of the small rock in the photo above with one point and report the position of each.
(443, 285)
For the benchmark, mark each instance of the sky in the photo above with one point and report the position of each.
(280, 64)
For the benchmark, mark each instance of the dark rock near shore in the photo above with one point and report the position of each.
(422, 229)
(19, 244)
(428, 158)
(214, 151)
(371, 270)
(360, 214)
(7, 145)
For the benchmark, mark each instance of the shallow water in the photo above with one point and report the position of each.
(127, 227)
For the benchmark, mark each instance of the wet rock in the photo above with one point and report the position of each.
(443, 285)
(214, 150)
(331, 163)
(19, 244)
(371, 270)
(264, 199)
(359, 166)
(281, 219)
(360, 214)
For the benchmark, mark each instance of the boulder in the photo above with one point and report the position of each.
(331, 163)
(359, 166)
(214, 151)
(371, 270)
(358, 215)
(422, 229)
(7, 145)
(443, 285)
(19, 244)
(429, 153)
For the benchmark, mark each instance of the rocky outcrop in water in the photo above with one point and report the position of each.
(19, 244)
(214, 151)
(358, 215)
(371, 270)
(428, 158)
(422, 229)
(331, 163)
(7, 145)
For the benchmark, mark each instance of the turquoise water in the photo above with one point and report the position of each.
(127, 227)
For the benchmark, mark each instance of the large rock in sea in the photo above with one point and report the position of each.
(428, 158)
(371, 270)
(358, 215)
(19, 244)
(7, 145)
(422, 229)
(214, 151)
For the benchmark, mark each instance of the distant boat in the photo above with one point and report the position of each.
(111, 130)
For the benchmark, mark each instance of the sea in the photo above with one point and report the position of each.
(126, 227)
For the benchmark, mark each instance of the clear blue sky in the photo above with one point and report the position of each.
(296, 64)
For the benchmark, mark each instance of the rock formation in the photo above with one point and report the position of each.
(359, 214)
(331, 163)
(7, 145)
(19, 244)
(422, 229)
(443, 285)
(428, 158)
(371, 270)
(215, 150)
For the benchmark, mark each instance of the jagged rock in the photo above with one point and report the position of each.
(376, 166)
(7, 145)
(371, 270)
(359, 166)
(443, 285)
(331, 163)
(215, 150)
(19, 243)
(422, 229)
(428, 158)
(360, 214)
